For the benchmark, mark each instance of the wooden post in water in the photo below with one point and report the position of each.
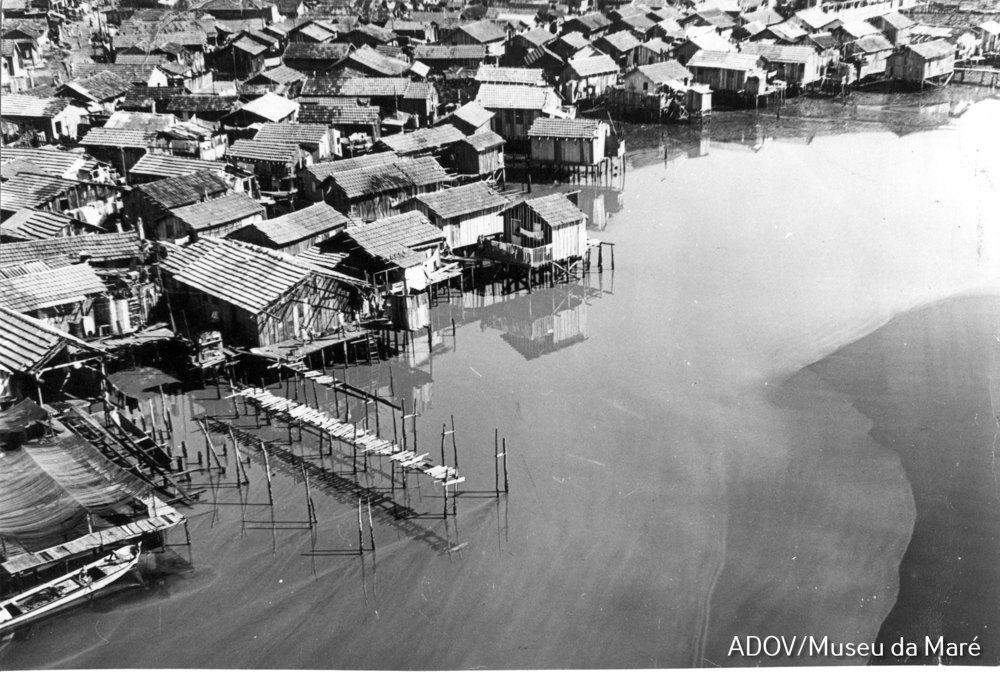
(309, 500)
(361, 532)
(506, 485)
(267, 471)
(454, 443)
(239, 459)
(496, 457)
(371, 528)
(378, 429)
(184, 449)
(444, 429)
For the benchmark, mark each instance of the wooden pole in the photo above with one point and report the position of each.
(506, 485)
(361, 532)
(454, 443)
(371, 528)
(267, 471)
(309, 499)
(496, 456)
(239, 459)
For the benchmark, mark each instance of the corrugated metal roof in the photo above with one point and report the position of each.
(299, 225)
(593, 21)
(247, 276)
(623, 41)
(53, 287)
(220, 211)
(281, 75)
(423, 140)
(30, 224)
(871, 44)
(51, 162)
(934, 50)
(102, 86)
(537, 36)
(367, 57)
(723, 60)
(463, 200)
(26, 343)
(546, 127)
(271, 107)
(100, 247)
(392, 239)
(502, 96)
(484, 31)
(556, 210)
(473, 114)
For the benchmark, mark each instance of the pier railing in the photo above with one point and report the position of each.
(517, 255)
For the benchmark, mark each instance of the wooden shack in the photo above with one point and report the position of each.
(725, 71)
(62, 297)
(544, 230)
(480, 155)
(922, 62)
(255, 296)
(294, 232)
(465, 214)
(559, 142)
(588, 78)
(516, 107)
(212, 217)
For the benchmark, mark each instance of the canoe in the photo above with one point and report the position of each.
(77, 585)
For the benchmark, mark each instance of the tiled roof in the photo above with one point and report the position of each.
(31, 266)
(403, 174)
(30, 224)
(639, 22)
(363, 87)
(49, 161)
(57, 286)
(556, 209)
(27, 343)
(250, 46)
(100, 247)
(166, 166)
(871, 44)
(537, 36)
(28, 190)
(576, 40)
(449, 52)
(372, 31)
(460, 201)
(473, 114)
(101, 86)
(935, 49)
(134, 74)
(484, 31)
(220, 211)
(281, 75)
(319, 51)
(333, 115)
(593, 21)
(623, 41)
(171, 193)
(140, 59)
(302, 224)
(19, 105)
(140, 96)
(781, 53)
(423, 140)
(271, 107)
(547, 127)
(318, 256)
(286, 153)
(665, 71)
(247, 276)
(392, 239)
(324, 170)
(117, 138)
(498, 75)
(485, 140)
(309, 134)
(316, 32)
(602, 64)
(717, 18)
(723, 60)
(500, 96)
(196, 103)
(373, 60)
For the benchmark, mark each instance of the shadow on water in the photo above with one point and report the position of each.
(930, 384)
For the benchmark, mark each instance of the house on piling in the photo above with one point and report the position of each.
(470, 119)
(480, 155)
(29, 348)
(63, 297)
(797, 66)
(152, 202)
(726, 71)
(869, 56)
(621, 46)
(465, 214)
(317, 139)
(255, 296)
(539, 232)
(294, 232)
(30, 225)
(568, 143)
(651, 78)
(157, 167)
(516, 107)
(896, 27)
(922, 62)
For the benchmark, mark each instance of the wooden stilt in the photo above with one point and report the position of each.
(506, 485)
(496, 458)
(267, 471)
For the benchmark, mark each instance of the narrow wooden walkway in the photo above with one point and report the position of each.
(352, 434)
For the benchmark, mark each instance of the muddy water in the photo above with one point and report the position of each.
(703, 444)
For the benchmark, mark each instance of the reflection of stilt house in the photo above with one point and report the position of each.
(542, 322)
(465, 214)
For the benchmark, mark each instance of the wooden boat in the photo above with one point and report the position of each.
(77, 585)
